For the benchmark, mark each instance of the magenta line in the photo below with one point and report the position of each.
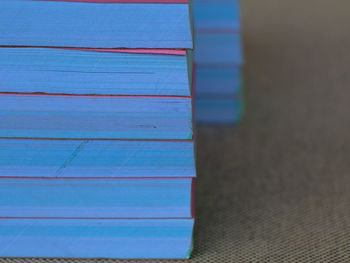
(159, 51)
(179, 52)
(193, 199)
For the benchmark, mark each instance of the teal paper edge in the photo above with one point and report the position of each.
(190, 249)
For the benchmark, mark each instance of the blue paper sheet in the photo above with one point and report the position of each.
(96, 238)
(67, 24)
(217, 15)
(96, 198)
(96, 159)
(218, 49)
(37, 116)
(219, 111)
(218, 81)
(62, 71)
(219, 61)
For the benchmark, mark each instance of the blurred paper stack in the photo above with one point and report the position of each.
(96, 129)
(218, 59)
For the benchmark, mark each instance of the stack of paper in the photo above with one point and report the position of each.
(218, 59)
(96, 129)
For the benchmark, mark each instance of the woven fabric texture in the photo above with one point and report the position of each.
(276, 188)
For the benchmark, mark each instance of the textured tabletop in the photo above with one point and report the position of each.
(276, 188)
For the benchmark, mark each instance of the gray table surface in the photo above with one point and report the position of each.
(276, 188)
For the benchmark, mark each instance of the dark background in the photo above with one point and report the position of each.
(276, 188)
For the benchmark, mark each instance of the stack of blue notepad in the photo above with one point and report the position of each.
(96, 129)
(218, 59)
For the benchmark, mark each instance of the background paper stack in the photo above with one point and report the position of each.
(96, 129)
(218, 59)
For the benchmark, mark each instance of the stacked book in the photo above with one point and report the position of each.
(96, 129)
(218, 59)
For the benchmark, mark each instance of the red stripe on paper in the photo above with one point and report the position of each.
(160, 51)
(193, 199)
(180, 52)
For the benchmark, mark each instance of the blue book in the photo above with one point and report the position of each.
(96, 159)
(226, 80)
(95, 117)
(95, 72)
(96, 238)
(95, 25)
(219, 59)
(219, 111)
(96, 198)
(217, 15)
(217, 32)
(98, 179)
(97, 154)
(218, 49)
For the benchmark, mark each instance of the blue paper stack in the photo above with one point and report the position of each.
(96, 129)
(219, 60)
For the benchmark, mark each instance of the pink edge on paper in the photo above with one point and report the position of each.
(160, 51)
(193, 199)
(180, 52)
(194, 83)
